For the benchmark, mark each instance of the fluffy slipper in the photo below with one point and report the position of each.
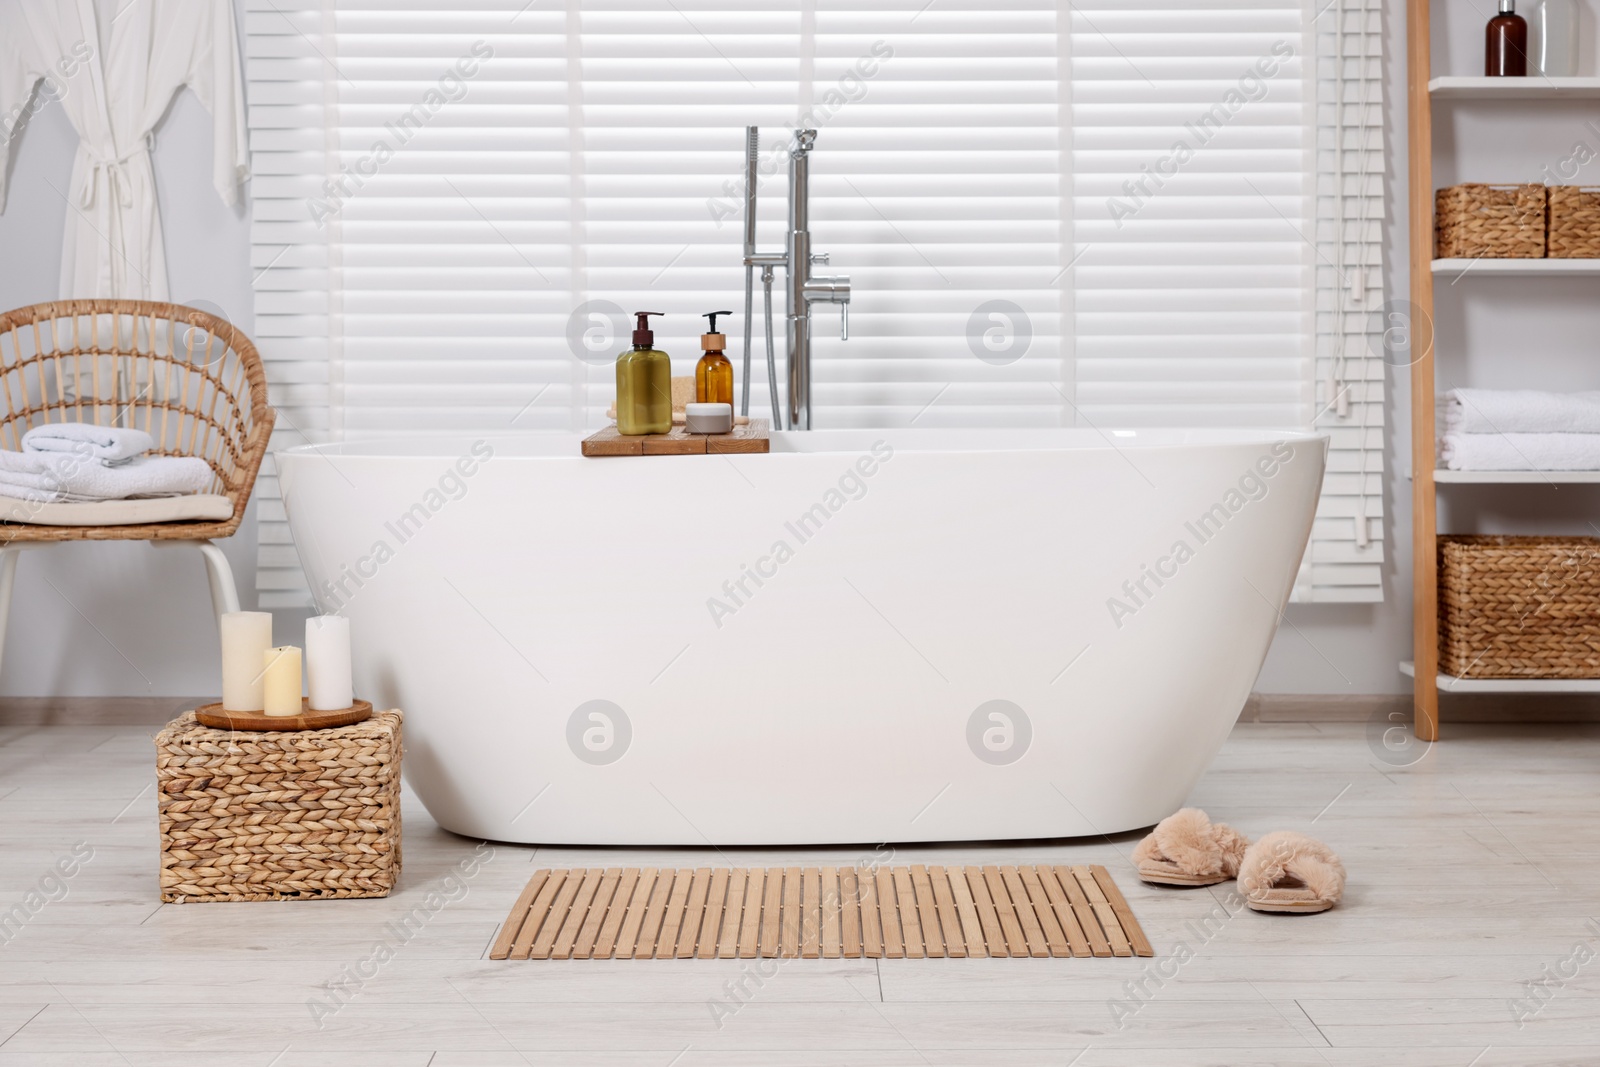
(1187, 848)
(1287, 871)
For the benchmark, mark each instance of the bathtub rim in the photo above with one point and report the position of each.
(562, 444)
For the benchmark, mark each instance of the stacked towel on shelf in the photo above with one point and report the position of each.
(1520, 430)
(1521, 451)
(77, 462)
(1520, 411)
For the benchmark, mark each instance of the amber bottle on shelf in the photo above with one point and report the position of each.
(713, 375)
(1506, 44)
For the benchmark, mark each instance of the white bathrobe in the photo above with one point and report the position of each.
(116, 65)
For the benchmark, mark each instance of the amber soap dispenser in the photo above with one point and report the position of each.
(644, 383)
(1506, 43)
(713, 375)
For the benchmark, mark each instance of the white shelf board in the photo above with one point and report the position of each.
(1535, 87)
(1487, 267)
(1516, 477)
(1449, 683)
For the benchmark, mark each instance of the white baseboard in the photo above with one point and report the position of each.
(1260, 708)
(1473, 707)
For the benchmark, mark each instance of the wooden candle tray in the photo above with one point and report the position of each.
(751, 437)
(214, 716)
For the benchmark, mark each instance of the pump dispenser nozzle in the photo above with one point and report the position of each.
(642, 334)
(712, 315)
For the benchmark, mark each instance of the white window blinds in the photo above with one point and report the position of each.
(455, 205)
(1222, 179)
(1358, 337)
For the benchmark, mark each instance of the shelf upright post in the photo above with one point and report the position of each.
(1424, 513)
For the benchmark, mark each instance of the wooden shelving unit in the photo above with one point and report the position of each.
(1449, 683)
(1532, 88)
(1453, 269)
(1422, 91)
(1424, 507)
(1516, 477)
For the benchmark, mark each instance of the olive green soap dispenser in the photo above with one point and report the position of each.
(644, 384)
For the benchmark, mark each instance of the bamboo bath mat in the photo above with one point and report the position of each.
(819, 913)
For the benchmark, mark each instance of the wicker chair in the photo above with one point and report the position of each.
(191, 380)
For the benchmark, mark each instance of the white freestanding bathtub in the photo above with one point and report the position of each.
(863, 636)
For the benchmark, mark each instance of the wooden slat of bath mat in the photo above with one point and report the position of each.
(556, 917)
(910, 922)
(1119, 905)
(871, 920)
(1064, 915)
(619, 910)
(832, 915)
(993, 937)
(810, 913)
(694, 912)
(1098, 945)
(672, 918)
(771, 932)
(1032, 932)
(519, 915)
(894, 939)
(576, 913)
(750, 925)
(1010, 926)
(733, 922)
(966, 908)
(1054, 936)
(655, 911)
(628, 936)
(954, 944)
(927, 912)
(849, 913)
(539, 916)
(589, 932)
(1103, 911)
(722, 914)
(789, 919)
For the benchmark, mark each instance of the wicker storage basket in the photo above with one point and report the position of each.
(279, 816)
(1574, 222)
(1519, 607)
(1495, 221)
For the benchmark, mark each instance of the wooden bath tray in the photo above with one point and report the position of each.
(751, 437)
(906, 912)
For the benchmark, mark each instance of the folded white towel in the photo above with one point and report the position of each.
(1520, 411)
(64, 477)
(1521, 451)
(111, 444)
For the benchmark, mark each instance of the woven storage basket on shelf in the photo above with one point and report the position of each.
(1492, 221)
(1519, 607)
(279, 816)
(1574, 228)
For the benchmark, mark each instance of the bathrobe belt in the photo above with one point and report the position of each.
(118, 180)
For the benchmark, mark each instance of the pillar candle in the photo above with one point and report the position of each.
(281, 677)
(328, 662)
(245, 636)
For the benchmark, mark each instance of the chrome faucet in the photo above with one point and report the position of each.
(805, 288)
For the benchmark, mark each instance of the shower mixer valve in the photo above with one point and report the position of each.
(804, 288)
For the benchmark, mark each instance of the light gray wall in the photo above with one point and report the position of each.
(127, 620)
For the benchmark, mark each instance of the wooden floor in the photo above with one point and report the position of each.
(1473, 900)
